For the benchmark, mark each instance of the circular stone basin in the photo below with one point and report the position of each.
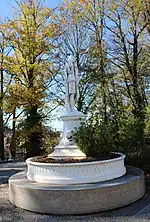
(76, 198)
(76, 173)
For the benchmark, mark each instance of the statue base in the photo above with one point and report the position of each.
(67, 152)
(67, 148)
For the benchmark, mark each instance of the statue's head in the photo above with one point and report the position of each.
(70, 59)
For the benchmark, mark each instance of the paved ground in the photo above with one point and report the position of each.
(137, 212)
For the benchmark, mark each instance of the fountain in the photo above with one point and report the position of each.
(75, 188)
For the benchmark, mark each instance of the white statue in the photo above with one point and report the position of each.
(72, 81)
(72, 119)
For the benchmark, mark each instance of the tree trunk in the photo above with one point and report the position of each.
(1, 119)
(35, 134)
(13, 138)
(1, 135)
(33, 125)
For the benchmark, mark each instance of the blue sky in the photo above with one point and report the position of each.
(6, 6)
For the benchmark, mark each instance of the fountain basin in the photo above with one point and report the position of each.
(76, 173)
(76, 199)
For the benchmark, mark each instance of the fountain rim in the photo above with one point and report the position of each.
(122, 156)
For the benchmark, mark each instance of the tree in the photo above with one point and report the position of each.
(145, 5)
(119, 57)
(126, 49)
(5, 80)
(33, 33)
(76, 40)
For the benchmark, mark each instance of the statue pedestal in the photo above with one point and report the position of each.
(67, 146)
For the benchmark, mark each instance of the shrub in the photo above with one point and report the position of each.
(98, 138)
(131, 135)
(51, 139)
(95, 140)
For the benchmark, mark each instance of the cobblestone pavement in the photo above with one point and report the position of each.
(137, 212)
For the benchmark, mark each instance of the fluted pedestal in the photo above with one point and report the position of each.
(67, 146)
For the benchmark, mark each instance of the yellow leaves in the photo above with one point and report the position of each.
(15, 95)
(21, 32)
(23, 96)
(73, 9)
(62, 20)
(52, 30)
(54, 17)
(82, 1)
(47, 32)
(1, 55)
(31, 35)
(71, 5)
(3, 27)
(134, 3)
(88, 7)
(75, 4)
(114, 6)
(47, 11)
(12, 64)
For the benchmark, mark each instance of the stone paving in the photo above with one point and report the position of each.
(137, 212)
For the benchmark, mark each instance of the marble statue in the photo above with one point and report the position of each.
(72, 81)
(71, 118)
